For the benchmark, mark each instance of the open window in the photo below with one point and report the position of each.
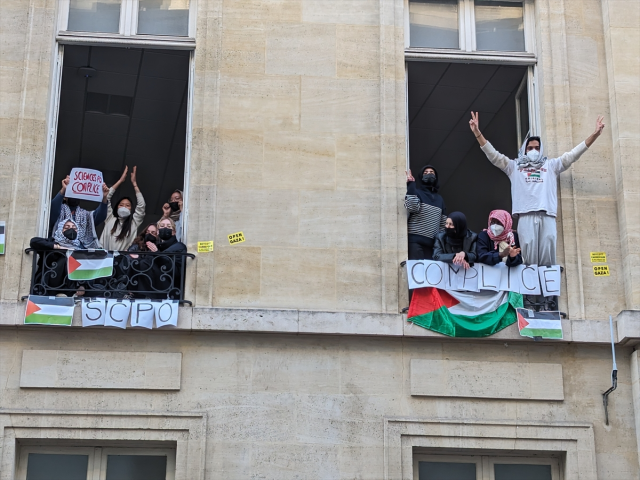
(124, 106)
(96, 463)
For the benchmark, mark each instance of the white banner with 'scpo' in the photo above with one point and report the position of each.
(524, 279)
(111, 312)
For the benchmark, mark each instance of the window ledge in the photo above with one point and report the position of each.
(140, 41)
(430, 54)
(315, 322)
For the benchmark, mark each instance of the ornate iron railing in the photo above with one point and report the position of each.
(157, 275)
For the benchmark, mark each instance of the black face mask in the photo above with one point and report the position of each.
(175, 206)
(71, 234)
(451, 232)
(150, 238)
(73, 203)
(429, 179)
(165, 233)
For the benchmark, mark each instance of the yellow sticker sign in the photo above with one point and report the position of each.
(236, 238)
(601, 270)
(598, 257)
(204, 247)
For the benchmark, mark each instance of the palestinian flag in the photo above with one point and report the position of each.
(89, 264)
(49, 310)
(2, 238)
(539, 324)
(463, 314)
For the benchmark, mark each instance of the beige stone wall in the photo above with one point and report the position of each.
(314, 406)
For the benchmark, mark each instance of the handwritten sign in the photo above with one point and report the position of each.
(525, 279)
(204, 247)
(236, 238)
(85, 184)
(598, 257)
(601, 270)
(118, 312)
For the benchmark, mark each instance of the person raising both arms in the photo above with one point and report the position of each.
(534, 184)
(122, 223)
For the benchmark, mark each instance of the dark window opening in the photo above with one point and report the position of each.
(124, 106)
(441, 97)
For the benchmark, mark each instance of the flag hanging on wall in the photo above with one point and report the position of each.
(49, 310)
(539, 324)
(89, 264)
(2, 225)
(463, 314)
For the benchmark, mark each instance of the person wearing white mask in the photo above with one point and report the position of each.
(499, 242)
(534, 186)
(121, 225)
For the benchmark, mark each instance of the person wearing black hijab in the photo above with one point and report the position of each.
(427, 213)
(457, 244)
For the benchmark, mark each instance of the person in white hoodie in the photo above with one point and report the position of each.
(534, 185)
(121, 225)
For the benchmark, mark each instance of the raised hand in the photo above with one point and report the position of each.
(105, 192)
(65, 184)
(474, 123)
(123, 177)
(599, 125)
(409, 176)
(166, 210)
(133, 177)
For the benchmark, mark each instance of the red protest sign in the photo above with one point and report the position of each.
(85, 184)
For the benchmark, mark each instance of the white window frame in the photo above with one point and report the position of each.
(467, 35)
(97, 465)
(485, 463)
(127, 33)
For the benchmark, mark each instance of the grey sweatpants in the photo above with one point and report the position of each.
(537, 233)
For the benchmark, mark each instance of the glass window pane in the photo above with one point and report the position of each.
(522, 472)
(447, 471)
(136, 467)
(433, 24)
(94, 16)
(499, 26)
(44, 466)
(523, 103)
(163, 17)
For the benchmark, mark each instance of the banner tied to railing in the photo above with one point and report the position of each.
(524, 279)
(106, 312)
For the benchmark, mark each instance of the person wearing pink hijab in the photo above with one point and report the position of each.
(499, 243)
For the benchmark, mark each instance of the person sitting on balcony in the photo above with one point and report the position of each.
(457, 244)
(427, 213)
(499, 243)
(534, 186)
(123, 221)
(63, 208)
(147, 237)
(173, 210)
(168, 239)
(64, 238)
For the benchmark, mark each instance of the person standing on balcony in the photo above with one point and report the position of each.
(63, 208)
(173, 210)
(457, 244)
(123, 221)
(427, 213)
(534, 185)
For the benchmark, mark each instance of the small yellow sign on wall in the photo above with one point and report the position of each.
(598, 257)
(601, 270)
(236, 238)
(205, 246)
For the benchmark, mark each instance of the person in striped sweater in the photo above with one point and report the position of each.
(427, 213)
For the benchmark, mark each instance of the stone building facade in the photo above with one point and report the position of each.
(295, 359)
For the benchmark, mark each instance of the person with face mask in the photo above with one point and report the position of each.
(534, 186)
(427, 213)
(173, 209)
(499, 243)
(147, 240)
(457, 244)
(63, 208)
(123, 221)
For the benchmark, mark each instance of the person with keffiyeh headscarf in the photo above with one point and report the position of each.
(499, 243)
(534, 189)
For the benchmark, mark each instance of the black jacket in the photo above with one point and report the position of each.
(444, 252)
(489, 255)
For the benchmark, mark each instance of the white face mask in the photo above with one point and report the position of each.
(123, 212)
(497, 230)
(533, 155)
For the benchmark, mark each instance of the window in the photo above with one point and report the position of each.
(470, 25)
(169, 18)
(89, 463)
(476, 467)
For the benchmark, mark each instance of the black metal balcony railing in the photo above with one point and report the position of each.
(156, 275)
